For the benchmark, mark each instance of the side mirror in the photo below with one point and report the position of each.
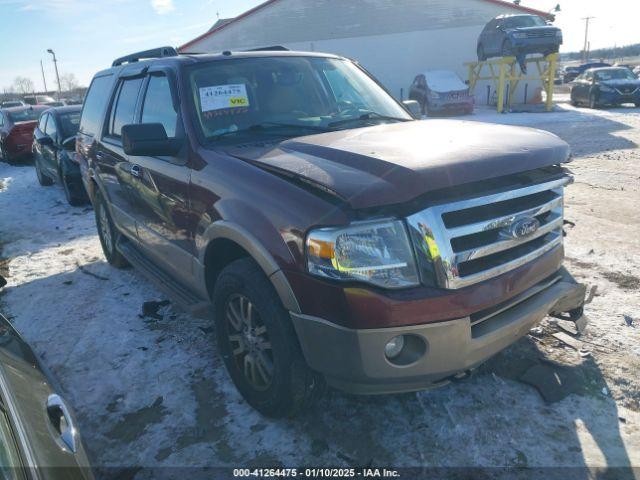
(45, 141)
(69, 143)
(148, 139)
(413, 107)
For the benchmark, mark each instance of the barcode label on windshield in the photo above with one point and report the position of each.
(223, 96)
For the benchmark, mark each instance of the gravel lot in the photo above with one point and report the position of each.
(150, 391)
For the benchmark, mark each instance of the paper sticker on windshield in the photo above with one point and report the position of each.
(223, 96)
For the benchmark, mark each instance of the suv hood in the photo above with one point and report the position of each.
(394, 163)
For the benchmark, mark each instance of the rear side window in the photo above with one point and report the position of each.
(158, 105)
(123, 112)
(94, 105)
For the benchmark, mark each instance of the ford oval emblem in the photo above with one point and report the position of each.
(524, 227)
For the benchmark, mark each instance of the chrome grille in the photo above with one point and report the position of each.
(475, 239)
(541, 34)
(627, 90)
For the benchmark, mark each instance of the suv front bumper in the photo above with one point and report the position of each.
(354, 360)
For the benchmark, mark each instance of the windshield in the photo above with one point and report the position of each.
(69, 123)
(25, 115)
(286, 96)
(615, 74)
(525, 21)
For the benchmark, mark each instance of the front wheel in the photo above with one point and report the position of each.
(108, 234)
(258, 343)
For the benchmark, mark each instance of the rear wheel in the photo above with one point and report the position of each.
(108, 234)
(258, 344)
(43, 178)
(4, 154)
(507, 49)
(481, 55)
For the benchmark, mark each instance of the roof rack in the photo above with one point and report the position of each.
(274, 48)
(153, 53)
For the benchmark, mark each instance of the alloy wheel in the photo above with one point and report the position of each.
(105, 228)
(250, 343)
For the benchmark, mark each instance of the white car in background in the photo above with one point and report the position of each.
(441, 91)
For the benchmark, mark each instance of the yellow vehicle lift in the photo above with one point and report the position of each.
(506, 71)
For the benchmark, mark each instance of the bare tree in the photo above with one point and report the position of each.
(68, 82)
(23, 85)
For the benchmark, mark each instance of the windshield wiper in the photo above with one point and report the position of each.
(368, 116)
(265, 127)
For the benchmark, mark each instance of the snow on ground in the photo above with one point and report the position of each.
(151, 392)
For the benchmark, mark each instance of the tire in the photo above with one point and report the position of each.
(593, 100)
(76, 196)
(108, 234)
(507, 49)
(4, 154)
(481, 55)
(637, 104)
(573, 101)
(258, 344)
(43, 179)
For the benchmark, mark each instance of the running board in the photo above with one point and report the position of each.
(184, 298)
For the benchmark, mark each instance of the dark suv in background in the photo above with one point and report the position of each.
(518, 35)
(54, 141)
(334, 238)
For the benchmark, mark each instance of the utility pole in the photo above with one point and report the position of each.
(55, 64)
(586, 36)
(44, 80)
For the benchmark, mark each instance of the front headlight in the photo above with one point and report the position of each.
(378, 253)
(604, 88)
(434, 95)
(520, 35)
(559, 34)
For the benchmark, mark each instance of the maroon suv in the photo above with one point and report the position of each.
(334, 238)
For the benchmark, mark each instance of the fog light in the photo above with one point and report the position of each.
(393, 348)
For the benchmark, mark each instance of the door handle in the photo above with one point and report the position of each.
(62, 422)
(136, 171)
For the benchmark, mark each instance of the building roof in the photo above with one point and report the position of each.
(223, 22)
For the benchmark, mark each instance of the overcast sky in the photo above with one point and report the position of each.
(88, 34)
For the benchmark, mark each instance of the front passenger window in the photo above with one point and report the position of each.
(124, 110)
(51, 129)
(158, 105)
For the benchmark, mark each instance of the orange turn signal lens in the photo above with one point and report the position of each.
(321, 248)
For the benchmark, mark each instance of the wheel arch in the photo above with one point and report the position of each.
(225, 242)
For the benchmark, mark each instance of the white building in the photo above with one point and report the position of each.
(393, 39)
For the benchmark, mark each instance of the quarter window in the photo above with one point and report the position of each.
(94, 105)
(158, 105)
(123, 112)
